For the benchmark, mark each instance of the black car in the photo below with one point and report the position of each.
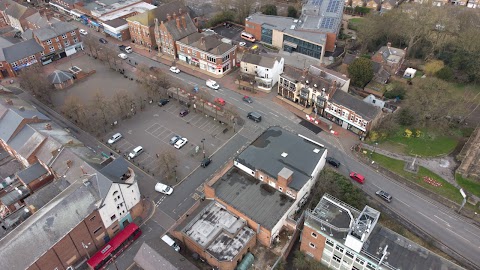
(103, 41)
(206, 162)
(335, 163)
(163, 102)
(122, 47)
(247, 99)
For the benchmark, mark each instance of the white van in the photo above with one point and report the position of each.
(162, 188)
(169, 241)
(135, 152)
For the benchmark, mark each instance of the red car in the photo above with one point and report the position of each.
(357, 177)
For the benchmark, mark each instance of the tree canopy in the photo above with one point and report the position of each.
(361, 71)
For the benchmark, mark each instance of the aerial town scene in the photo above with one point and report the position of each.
(240, 134)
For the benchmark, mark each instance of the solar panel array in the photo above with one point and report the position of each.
(327, 23)
(333, 6)
(316, 2)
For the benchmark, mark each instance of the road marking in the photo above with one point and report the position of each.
(261, 111)
(242, 109)
(248, 106)
(427, 217)
(274, 114)
(403, 202)
(235, 99)
(459, 235)
(442, 220)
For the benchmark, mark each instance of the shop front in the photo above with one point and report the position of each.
(345, 123)
(304, 97)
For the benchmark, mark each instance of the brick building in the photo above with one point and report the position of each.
(342, 237)
(173, 29)
(60, 39)
(390, 58)
(207, 52)
(16, 15)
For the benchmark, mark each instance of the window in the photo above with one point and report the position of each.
(280, 188)
(355, 268)
(226, 57)
(49, 42)
(336, 258)
(75, 40)
(329, 242)
(67, 43)
(42, 54)
(314, 235)
(73, 33)
(32, 57)
(52, 49)
(349, 254)
(64, 36)
(371, 266)
(211, 59)
(113, 217)
(203, 56)
(360, 261)
(97, 230)
(92, 218)
(14, 64)
(261, 177)
(312, 245)
(339, 248)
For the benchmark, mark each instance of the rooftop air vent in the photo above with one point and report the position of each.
(315, 85)
(316, 150)
(284, 154)
(292, 27)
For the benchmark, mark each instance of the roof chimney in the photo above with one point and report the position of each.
(9, 101)
(180, 11)
(178, 22)
(184, 22)
(169, 17)
(174, 15)
(69, 163)
(202, 40)
(48, 126)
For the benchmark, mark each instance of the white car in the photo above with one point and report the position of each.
(135, 152)
(242, 44)
(123, 56)
(212, 84)
(162, 188)
(174, 70)
(83, 32)
(128, 49)
(114, 138)
(180, 143)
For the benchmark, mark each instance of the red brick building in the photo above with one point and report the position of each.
(208, 53)
(168, 32)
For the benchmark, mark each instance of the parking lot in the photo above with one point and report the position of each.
(153, 128)
(232, 33)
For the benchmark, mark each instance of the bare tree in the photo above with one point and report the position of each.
(101, 108)
(92, 45)
(33, 80)
(244, 8)
(203, 96)
(74, 109)
(168, 162)
(124, 102)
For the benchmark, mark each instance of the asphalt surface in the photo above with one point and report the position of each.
(442, 223)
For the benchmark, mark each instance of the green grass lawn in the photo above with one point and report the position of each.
(469, 185)
(354, 23)
(427, 145)
(447, 190)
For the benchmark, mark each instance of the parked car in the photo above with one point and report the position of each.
(128, 49)
(256, 117)
(169, 241)
(103, 41)
(135, 152)
(220, 101)
(384, 195)
(205, 162)
(242, 44)
(174, 139)
(83, 32)
(183, 112)
(212, 84)
(123, 56)
(115, 138)
(163, 102)
(180, 143)
(162, 188)
(175, 70)
(122, 47)
(335, 163)
(247, 99)
(357, 177)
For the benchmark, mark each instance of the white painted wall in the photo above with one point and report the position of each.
(124, 197)
(244, 168)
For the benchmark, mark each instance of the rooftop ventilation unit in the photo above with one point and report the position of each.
(316, 150)
(284, 155)
(292, 27)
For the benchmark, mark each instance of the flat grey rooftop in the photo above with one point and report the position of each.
(278, 148)
(220, 232)
(155, 254)
(257, 200)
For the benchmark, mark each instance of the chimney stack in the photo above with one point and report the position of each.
(202, 40)
(178, 22)
(184, 22)
(174, 15)
(169, 17)
(48, 126)
(389, 44)
(21, 108)
(9, 101)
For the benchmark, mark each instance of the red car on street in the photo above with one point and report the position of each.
(357, 177)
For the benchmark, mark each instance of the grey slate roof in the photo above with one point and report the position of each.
(247, 195)
(47, 226)
(4, 44)
(12, 197)
(207, 43)
(38, 20)
(22, 50)
(16, 10)
(367, 111)
(54, 30)
(27, 34)
(13, 118)
(349, 58)
(26, 141)
(265, 154)
(116, 169)
(179, 33)
(259, 60)
(154, 254)
(60, 76)
(31, 173)
(45, 194)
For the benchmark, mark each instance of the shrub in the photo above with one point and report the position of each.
(395, 91)
(292, 12)
(446, 74)
(433, 66)
(269, 9)
(405, 117)
(221, 17)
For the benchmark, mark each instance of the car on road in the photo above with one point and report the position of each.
(126, 49)
(212, 84)
(135, 152)
(175, 70)
(103, 41)
(163, 102)
(123, 56)
(83, 32)
(357, 177)
(183, 112)
(247, 99)
(180, 143)
(219, 101)
(335, 163)
(256, 117)
(174, 139)
(162, 188)
(384, 195)
(242, 44)
(205, 162)
(115, 138)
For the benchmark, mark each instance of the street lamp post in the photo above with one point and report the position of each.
(374, 148)
(85, 246)
(203, 147)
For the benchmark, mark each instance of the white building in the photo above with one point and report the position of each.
(266, 70)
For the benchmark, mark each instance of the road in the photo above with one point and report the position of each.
(442, 223)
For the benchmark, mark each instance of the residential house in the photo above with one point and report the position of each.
(342, 237)
(58, 40)
(208, 53)
(357, 3)
(389, 4)
(171, 30)
(314, 33)
(311, 87)
(380, 76)
(263, 70)
(390, 58)
(34, 177)
(5, 68)
(352, 113)
(37, 21)
(219, 236)
(275, 174)
(142, 26)
(17, 14)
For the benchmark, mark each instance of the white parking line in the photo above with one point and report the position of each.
(261, 111)
(274, 114)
